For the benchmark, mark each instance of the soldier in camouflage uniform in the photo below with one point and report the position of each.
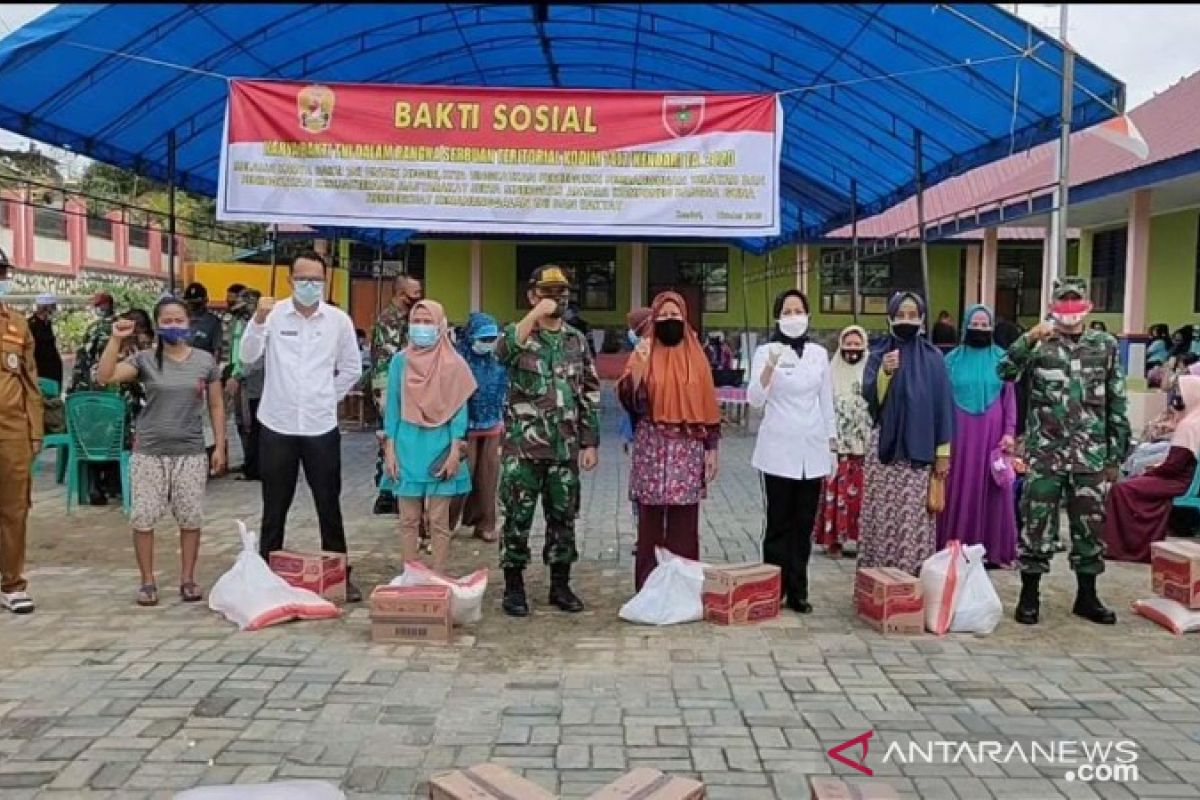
(1077, 433)
(94, 342)
(389, 335)
(551, 430)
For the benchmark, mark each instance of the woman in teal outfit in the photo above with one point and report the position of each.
(425, 421)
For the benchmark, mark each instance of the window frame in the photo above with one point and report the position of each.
(593, 259)
(1107, 290)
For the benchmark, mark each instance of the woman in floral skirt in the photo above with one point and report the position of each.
(837, 525)
(668, 386)
(908, 391)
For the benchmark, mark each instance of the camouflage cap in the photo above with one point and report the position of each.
(549, 276)
(1070, 284)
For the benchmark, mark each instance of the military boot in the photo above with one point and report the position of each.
(514, 603)
(1088, 605)
(386, 504)
(1029, 605)
(561, 595)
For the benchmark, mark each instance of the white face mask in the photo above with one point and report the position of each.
(794, 326)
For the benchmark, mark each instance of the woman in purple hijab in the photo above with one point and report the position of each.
(908, 391)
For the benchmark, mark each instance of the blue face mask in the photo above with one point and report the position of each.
(5, 287)
(308, 293)
(423, 335)
(633, 337)
(173, 334)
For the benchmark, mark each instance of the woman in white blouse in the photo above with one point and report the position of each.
(790, 378)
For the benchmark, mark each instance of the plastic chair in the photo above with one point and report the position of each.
(1192, 498)
(59, 442)
(96, 427)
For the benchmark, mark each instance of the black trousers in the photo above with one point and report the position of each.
(791, 512)
(250, 431)
(279, 458)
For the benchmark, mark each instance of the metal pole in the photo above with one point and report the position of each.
(921, 222)
(274, 239)
(1058, 218)
(854, 299)
(171, 211)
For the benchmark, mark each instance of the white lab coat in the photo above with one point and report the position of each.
(799, 418)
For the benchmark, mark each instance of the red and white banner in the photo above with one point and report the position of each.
(529, 161)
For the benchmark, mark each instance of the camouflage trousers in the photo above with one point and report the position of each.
(382, 482)
(521, 484)
(1042, 500)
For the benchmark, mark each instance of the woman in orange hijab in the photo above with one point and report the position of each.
(668, 386)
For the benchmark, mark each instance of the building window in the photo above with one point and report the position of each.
(100, 227)
(139, 237)
(164, 241)
(878, 278)
(1196, 283)
(5, 209)
(592, 272)
(1108, 269)
(50, 223)
(1019, 281)
(365, 257)
(706, 268)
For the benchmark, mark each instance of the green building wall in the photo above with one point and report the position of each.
(751, 296)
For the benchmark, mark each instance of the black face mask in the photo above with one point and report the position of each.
(978, 338)
(852, 356)
(906, 331)
(669, 331)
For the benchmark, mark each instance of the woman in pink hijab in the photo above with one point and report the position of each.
(425, 422)
(1139, 508)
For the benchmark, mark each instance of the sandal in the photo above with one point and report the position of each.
(190, 593)
(147, 595)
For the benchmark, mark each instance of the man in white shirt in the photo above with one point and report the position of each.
(312, 361)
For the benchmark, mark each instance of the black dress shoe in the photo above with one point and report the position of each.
(386, 504)
(799, 606)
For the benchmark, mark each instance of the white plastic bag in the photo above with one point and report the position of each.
(466, 594)
(977, 608)
(282, 790)
(672, 593)
(1171, 614)
(941, 584)
(253, 597)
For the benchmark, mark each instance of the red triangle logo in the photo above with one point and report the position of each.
(835, 753)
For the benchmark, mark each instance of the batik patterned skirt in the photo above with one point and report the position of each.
(841, 506)
(897, 528)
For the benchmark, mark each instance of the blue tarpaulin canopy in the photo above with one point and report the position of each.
(109, 81)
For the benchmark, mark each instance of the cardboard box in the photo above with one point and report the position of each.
(889, 600)
(485, 782)
(322, 573)
(650, 784)
(741, 594)
(834, 789)
(1175, 571)
(411, 614)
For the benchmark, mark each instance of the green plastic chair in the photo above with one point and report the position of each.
(1192, 498)
(96, 427)
(59, 442)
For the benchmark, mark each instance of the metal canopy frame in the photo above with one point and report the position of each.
(848, 115)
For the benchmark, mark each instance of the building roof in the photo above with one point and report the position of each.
(856, 81)
(1169, 122)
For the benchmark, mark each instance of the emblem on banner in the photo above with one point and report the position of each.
(315, 104)
(682, 116)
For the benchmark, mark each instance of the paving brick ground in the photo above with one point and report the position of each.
(101, 699)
